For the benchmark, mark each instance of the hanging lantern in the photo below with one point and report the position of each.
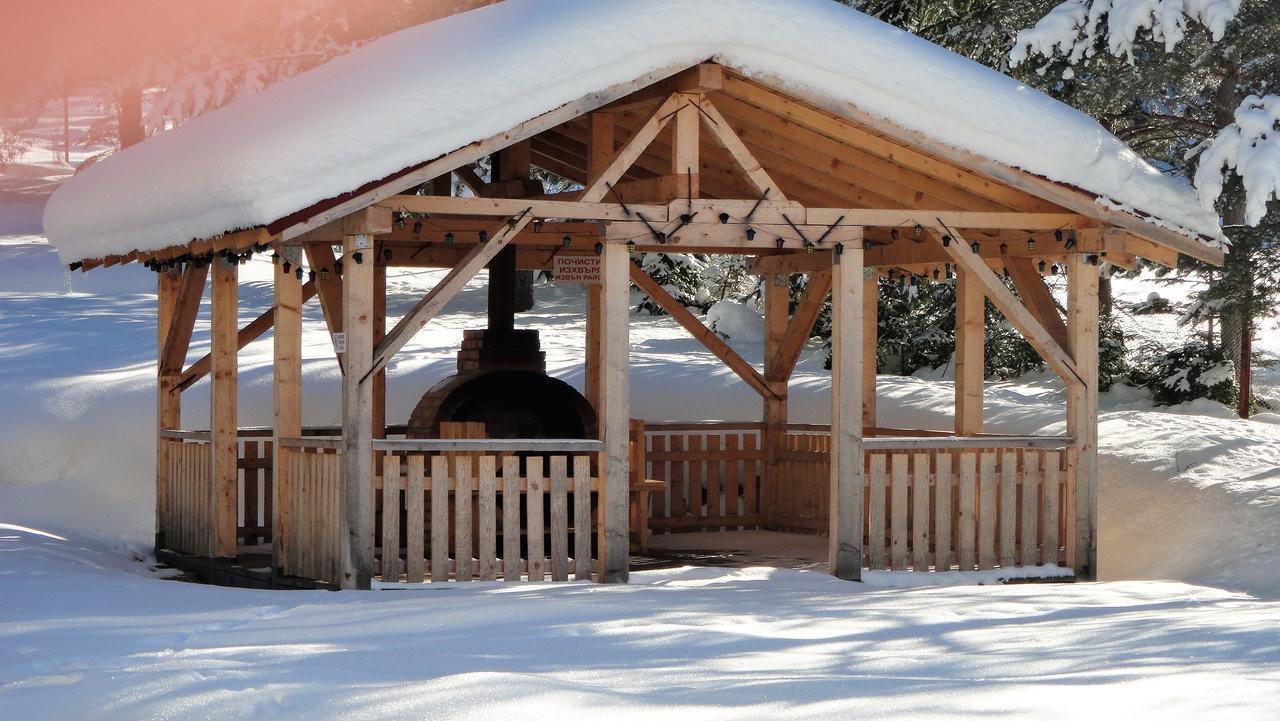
(275, 259)
(1004, 248)
(1053, 269)
(724, 218)
(417, 227)
(311, 275)
(975, 246)
(1031, 243)
(599, 248)
(751, 234)
(893, 235)
(386, 254)
(566, 241)
(631, 246)
(1057, 235)
(1043, 265)
(448, 239)
(946, 241)
(297, 273)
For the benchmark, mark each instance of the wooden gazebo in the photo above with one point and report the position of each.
(702, 157)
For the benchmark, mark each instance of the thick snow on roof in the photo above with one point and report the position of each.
(431, 89)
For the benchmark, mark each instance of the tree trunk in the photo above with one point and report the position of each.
(130, 117)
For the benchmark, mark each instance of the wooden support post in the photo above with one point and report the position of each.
(222, 405)
(870, 338)
(615, 420)
(845, 538)
(379, 332)
(970, 364)
(357, 413)
(777, 301)
(595, 313)
(685, 163)
(600, 151)
(168, 398)
(286, 396)
(1082, 410)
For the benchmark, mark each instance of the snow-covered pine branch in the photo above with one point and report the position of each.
(1250, 147)
(1076, 29)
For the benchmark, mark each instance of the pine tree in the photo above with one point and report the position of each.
(1170, 79)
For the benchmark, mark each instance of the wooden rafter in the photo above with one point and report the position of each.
(704, 335)
(729, 140)
(1014, 311)
(627, 154)
(445, 290)
(801, 326)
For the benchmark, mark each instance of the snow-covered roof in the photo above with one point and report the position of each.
(428, 90)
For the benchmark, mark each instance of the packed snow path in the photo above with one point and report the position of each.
(88, 636)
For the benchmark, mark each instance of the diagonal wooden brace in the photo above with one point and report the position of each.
(1014, 311)
(704, 335)
(445, 290)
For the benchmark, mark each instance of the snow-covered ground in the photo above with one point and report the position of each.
(87, 635)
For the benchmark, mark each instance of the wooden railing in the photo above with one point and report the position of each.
(934, 500)
(456, 510)
(186, 515)
(712, 472)
(967, 503)
(310, 534)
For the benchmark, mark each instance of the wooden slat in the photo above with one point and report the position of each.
(582, 518)
(750, 491)
(534, 522)
(488, 518)
(415, 512)
(696, 478)
(920, 512)
(944, 482)
(987, 485)
(1008, 507)
(899, 511)
(511, 518)
(1030, 507)
(715, 503)
(966, 517)
(1052, 507)
(678, 492)
(391, 487)
(876, 517)
(560, 519)
(439, 519)
(464, 567)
